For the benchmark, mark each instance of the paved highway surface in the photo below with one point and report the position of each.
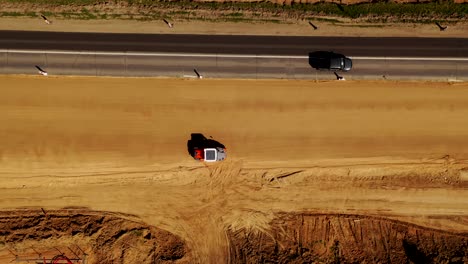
(169, 55)
(230, 44)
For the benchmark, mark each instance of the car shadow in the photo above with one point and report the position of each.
(199, 141)
(317, 59)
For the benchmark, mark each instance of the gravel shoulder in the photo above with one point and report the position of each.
(290, 28)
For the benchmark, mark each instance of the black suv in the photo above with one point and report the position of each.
(328, 60)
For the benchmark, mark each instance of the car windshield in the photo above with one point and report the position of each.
(348, 64)
(336, 63)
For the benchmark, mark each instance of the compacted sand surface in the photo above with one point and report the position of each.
(346, 159)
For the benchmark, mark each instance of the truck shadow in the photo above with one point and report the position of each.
(199, 141)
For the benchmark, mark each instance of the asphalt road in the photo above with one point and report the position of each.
(213, 56)
(231, 44)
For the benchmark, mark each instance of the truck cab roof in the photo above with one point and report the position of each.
(214, 154)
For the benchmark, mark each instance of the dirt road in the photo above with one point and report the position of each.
(387, 149)
(285, 28)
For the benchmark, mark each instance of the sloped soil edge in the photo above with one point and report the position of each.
(99, 237)
(316, 238)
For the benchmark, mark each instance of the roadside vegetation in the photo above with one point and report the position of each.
(380, 11)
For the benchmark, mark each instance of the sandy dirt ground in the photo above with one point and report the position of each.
(288, 28)
(120, 16)
(388, 149)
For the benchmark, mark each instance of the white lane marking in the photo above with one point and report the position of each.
(213, 55)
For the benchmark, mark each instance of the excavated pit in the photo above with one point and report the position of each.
(90, 236)
(104, 237)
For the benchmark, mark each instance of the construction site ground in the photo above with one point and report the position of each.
(368, 171)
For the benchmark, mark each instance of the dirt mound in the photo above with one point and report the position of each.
(307, 238)
(96, 237)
